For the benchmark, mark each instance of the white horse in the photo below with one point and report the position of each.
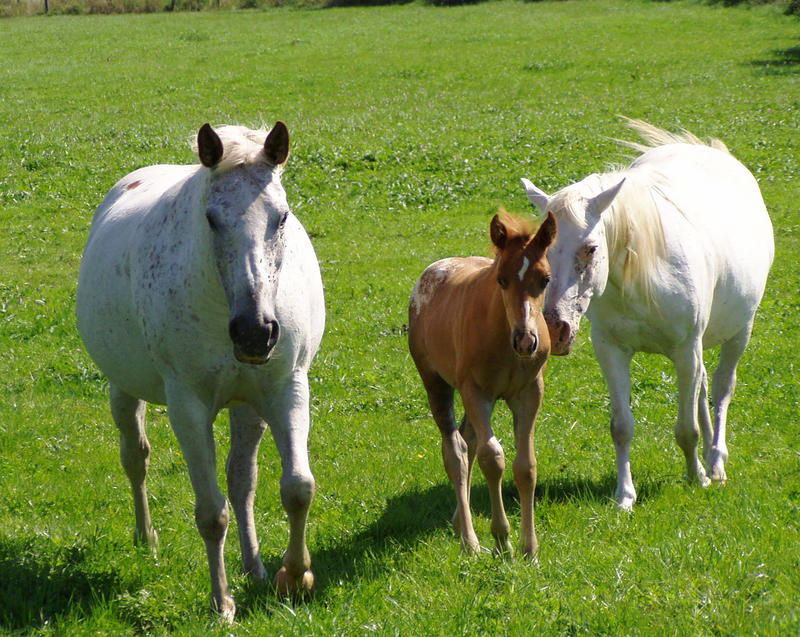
(200, 290)
(669, 255)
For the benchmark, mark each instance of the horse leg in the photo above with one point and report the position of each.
(616, 366)
(722, 387)
(524, 408)
(289, 422)
(690, 371)
(192, 423)
(468, 434)
(704, 415)
(454, 455)
(491, 460)
(247, 429)
(128, 414)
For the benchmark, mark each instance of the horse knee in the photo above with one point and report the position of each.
(621, 429)
(212, 522)
(297, 491)
(135, 458)
(687, 437)
(524, 473)
(491, 459)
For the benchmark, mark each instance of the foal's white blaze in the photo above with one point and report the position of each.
(674, 262)
(525, 265)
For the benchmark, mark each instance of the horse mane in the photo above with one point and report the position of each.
(632, 222)
(240, 145)
(654, 137)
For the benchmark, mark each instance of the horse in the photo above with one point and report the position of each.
(200, 290)
(669, 255)
(476, 325)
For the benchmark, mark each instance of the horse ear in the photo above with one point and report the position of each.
(602, 201)
(209, 146)
(276, 146)
(498, 232)
(547, 232)
(537, 197)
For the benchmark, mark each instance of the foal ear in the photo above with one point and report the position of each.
(537, 197)
(276, 146)
(209, 146)
(547, 232)
(498, 232)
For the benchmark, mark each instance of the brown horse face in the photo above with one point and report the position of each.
(523, 274)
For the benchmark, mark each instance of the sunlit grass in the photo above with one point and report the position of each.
(410, 126)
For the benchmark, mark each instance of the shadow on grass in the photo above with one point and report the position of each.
(39, 581)
(413, 516)
(783, 62)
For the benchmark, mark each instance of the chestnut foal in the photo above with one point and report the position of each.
(476, 325)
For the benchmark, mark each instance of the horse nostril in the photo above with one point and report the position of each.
(272, 332)
(236, 328)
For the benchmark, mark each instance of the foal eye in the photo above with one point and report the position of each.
(502, 282)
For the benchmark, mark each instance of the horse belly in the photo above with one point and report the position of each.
(107, 320)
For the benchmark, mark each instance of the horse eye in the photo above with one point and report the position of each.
(546, 280)
(284, 218)
(502, 282)
(590, 250)
(211, 223)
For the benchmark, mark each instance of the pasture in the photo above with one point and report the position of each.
(410, 126)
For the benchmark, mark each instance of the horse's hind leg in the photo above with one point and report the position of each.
(128, 414)
(467, 432)
(454, 455)
(247, 429)
(690, 372)
(722, 387)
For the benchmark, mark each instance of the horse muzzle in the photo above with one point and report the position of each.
(253, 338)
(524, 343)
(562, 336)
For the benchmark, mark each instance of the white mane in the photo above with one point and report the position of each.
(240, 145)
(633, 222)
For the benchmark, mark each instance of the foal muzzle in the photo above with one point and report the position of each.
(524, 343)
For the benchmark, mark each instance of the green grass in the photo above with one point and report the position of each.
(410, 126)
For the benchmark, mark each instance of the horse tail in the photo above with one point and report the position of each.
(654, 137)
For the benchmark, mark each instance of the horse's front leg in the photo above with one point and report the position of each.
(247, 429)
(491, 460)
(616, 365)
(690, 371)
(193, 423)
(288, 418)
(524, 408)
(128, 414)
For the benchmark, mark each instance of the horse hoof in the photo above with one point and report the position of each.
(226, 608)
(148, 540)
(294, 588)
(504, 550)
(625, 503)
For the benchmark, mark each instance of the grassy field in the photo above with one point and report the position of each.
(410, 126)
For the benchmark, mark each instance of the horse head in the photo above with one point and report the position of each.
(579, 258)
(523, 273)
(245, 211)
